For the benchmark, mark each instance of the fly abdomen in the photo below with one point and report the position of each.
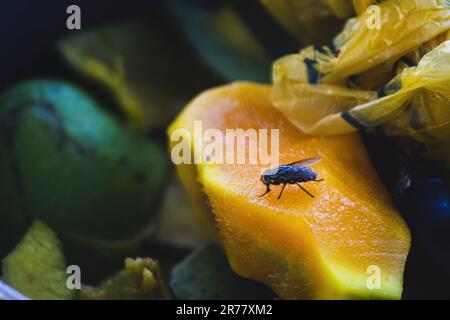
(299, 174)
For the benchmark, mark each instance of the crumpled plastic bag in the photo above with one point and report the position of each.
(392, 80)
(405, 26)
(377, 77)
(306, 105)
(415, 103)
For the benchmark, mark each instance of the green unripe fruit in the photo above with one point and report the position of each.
(68, 163)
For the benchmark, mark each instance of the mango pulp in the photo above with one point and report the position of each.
(348, 242)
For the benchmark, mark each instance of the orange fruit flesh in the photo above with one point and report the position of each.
(303, 248)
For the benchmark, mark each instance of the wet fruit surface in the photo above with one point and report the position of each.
(301, 247)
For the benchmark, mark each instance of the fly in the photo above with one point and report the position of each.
(293, 173)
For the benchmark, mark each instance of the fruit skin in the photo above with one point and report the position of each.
(37, 266)
(68, 163)
(139, 280)
(302, 248)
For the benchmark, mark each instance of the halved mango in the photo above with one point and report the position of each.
(346, 242)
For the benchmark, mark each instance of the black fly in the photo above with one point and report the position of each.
(293, 173)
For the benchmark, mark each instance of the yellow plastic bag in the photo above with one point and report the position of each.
(377, 77)
(306, 105)
(413, 58)
(415, 103)
(404, 27)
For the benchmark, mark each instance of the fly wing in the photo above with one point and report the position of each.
(271, 172)
(305, 163)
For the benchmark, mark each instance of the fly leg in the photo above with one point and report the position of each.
(319, 180)
(282, 189)
(305, 190)
(267, 191)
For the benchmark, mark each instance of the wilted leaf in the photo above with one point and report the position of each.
(206, 274)
(144, 64)
(223, 40)
(310, 21)
(177, 225)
